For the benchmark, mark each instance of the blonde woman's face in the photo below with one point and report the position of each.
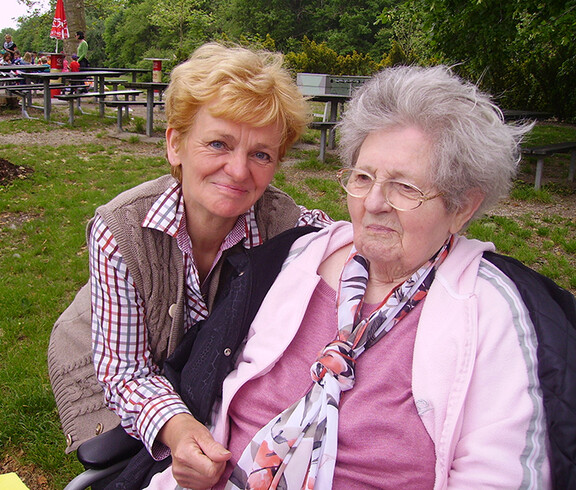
(226, 166)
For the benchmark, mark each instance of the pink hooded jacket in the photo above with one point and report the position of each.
(474, 371)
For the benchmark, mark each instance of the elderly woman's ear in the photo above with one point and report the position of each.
(474, 198)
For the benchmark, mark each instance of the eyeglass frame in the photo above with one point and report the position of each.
(423, 197)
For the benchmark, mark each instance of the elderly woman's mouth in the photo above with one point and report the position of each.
(378, 228)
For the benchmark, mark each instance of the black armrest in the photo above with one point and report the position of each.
(108, 448)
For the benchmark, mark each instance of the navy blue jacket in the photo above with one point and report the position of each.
(553, 313)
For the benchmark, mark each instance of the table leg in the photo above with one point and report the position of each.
(149, 111)
(133, 81)
(539, 168)
(100, 84)
(47, 99)
(332, 132)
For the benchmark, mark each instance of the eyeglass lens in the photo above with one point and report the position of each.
(400, 195)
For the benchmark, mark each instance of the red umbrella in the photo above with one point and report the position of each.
(59, 24)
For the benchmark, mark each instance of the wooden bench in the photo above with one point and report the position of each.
(115, 83)
(324, 127)
(24, 90)
(125, 104)
(10, 80)
(541, 152)
(70, 98)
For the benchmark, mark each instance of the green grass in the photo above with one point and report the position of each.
(545, 134)
(43, 258)
(43, 261)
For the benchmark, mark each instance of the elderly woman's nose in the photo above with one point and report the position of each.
(375, 201)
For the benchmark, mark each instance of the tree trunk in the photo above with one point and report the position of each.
(76, 17)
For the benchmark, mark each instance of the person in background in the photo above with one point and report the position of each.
(27, 58)
(82, 50)
(6, 59)
(232, 114)
(18, 60)
(9, 46)
(405, 357)
(74, 65)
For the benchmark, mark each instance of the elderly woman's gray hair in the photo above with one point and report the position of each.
(473, 148)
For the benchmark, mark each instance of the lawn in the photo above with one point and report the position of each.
(43, 257)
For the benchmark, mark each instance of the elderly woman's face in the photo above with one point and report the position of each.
(226, 166)
(398, 242)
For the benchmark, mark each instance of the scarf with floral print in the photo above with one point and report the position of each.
(297, 449)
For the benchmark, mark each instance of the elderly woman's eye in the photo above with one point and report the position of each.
(407, 190)
(358, 178)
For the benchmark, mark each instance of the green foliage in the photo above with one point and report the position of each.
(314, 58)
(396, 56)
(33, 34)
(518, 50)
(521, 51)
(186, 22)
(128, 34)
(319, 58)
(345, 25)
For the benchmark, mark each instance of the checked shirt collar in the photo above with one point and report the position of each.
(168, 215)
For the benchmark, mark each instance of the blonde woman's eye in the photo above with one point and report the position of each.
(217, 145)
(263, 157)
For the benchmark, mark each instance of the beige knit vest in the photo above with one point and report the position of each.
(155, 263)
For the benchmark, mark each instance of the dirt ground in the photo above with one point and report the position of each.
(30, 475)
(564, 206)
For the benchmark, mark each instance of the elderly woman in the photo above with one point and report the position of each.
(155, 250)
(427, 372)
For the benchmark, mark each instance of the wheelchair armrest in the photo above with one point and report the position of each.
(108, 448)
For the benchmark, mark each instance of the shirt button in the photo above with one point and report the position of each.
(172, 310)
(227, 351)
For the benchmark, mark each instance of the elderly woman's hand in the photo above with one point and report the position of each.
(197, 459)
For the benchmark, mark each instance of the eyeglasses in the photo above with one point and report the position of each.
(402, 196)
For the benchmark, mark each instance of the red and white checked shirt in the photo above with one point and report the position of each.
(133, 386)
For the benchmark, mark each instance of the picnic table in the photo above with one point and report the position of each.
(150, 88)
(514, 115)
(329, 120)
(541, 152)
(47, 77)
(24, 68)
(134, 72)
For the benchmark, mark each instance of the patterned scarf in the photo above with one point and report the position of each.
(297, 449)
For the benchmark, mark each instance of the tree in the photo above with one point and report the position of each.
(346, 25)
(187, 22)
(521, 51)
(76, 18)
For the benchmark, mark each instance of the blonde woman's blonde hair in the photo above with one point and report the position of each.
(241, 85)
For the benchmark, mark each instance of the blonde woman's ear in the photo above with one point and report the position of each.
(172, 146)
